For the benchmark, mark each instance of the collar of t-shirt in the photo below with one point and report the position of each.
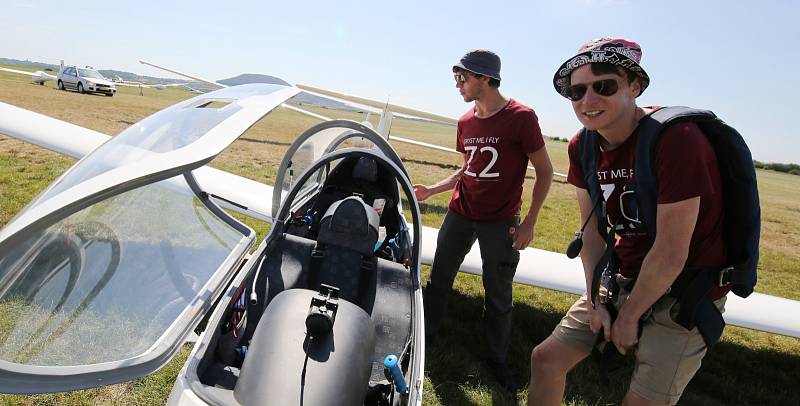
(635, 131)
(495, 114)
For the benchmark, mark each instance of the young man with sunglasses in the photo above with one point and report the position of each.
(603, 81)
(498, 137)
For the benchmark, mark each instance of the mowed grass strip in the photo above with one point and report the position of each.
(747, 367)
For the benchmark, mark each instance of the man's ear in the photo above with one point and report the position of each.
(636, 87)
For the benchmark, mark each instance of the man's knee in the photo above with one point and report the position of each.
(553, 358)
(544, 361)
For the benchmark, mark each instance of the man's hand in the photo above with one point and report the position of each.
(422, 192)
(523, 234)
(625, 333)
(600, 318)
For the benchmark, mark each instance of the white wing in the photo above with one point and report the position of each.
(186, 75)
(552, 270)
(400, 111)
(38, 77)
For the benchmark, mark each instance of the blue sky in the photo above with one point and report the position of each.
(736, 58)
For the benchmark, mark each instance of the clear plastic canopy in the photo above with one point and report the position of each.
(106, 283)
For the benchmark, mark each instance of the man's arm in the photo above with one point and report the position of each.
(544, 177)
(675, 223)
(423, 192)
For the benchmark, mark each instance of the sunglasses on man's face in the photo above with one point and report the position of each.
(605, 87)
(461, 77)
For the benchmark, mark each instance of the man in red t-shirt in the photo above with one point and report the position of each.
(498, 137)
(603, 81)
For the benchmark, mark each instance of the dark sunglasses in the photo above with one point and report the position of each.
(461, 77)
(605, 87)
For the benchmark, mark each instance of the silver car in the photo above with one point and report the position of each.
(85, 80)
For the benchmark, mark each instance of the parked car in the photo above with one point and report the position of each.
(85, 80)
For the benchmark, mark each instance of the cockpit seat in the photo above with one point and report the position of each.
(343, 256)
(366, 169)
(362, 177)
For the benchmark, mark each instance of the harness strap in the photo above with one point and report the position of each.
(602, 264)
(315, 266)
(367, 269)
(609, 359)
(692, 288)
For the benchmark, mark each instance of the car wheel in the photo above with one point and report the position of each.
(109, 94)
(61, 85)
(80, 87)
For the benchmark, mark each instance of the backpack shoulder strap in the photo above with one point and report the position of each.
(587, 151)
(650, 129)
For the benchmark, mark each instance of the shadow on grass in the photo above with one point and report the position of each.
(408, 160)
(245, 139)
(426, 208)
(731, 373)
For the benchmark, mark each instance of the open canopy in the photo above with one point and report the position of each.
(104, 275)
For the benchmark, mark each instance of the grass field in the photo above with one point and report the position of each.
(747, 367)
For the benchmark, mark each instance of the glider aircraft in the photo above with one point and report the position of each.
(116, 263)
(132, 238)
(39, 77)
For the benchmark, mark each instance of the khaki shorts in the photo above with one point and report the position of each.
(667, 356)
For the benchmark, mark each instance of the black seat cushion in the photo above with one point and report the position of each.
(351, 225)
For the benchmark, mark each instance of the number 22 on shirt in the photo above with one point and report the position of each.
(486, 172)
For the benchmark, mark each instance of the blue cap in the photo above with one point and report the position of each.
(480, 61)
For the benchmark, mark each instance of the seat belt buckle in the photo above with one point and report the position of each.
(724, 278)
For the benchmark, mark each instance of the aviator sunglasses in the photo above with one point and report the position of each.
(605, 87)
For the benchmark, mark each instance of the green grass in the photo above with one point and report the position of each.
(150, 390)
(748, 367)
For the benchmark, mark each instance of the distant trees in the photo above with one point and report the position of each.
(557, 139)
(794, 169)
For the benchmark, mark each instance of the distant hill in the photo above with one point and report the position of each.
(253, 78)
(37, 65)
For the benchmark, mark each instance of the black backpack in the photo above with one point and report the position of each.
(742, 220)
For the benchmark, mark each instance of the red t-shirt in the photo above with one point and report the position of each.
(496, 152)
(686, 167)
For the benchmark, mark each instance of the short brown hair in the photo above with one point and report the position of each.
(604, 68)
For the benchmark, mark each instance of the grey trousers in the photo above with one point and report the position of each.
(499, 265)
